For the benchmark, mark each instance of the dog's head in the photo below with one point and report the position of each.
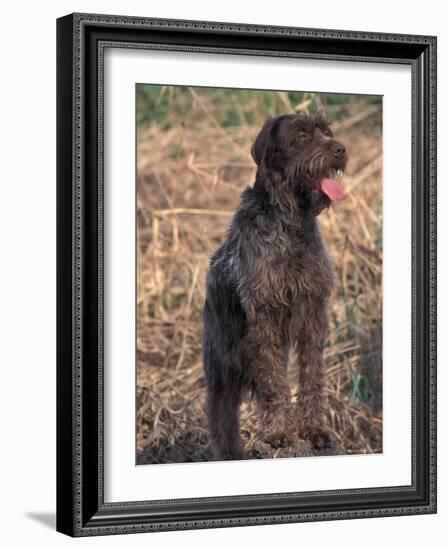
(299, 151)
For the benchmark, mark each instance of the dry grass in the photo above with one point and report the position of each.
(190, 177)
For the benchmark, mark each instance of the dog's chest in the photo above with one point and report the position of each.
(294, 268)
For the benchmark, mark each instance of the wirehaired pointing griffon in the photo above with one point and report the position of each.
(268, 288)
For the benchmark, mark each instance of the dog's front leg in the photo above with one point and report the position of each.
(268, 358)
(311, 399)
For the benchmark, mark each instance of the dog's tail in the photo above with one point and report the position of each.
(223, 321)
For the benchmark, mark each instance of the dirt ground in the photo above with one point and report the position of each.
(190, 177)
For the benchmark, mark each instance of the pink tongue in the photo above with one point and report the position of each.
(332, 189)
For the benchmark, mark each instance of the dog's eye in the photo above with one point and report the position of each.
(327, 133)
(302, 136)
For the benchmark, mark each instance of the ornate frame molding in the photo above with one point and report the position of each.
(81, 42)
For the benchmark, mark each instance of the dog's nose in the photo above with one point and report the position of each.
(338, 150)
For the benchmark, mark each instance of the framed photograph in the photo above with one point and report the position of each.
(246, 274)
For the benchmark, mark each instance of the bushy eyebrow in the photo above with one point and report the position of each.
(322, 120)
(310, 123)
(323, 123)
(303, 124)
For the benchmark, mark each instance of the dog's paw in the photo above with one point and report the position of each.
(319, 437)
(227, 452)
(279, 439)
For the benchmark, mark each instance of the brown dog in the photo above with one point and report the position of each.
(268, 288)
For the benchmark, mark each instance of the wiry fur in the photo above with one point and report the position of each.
(267, 290)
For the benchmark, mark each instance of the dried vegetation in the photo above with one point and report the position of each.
(190, 176)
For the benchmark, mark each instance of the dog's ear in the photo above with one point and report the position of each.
(261, 150)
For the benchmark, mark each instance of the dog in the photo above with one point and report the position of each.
(268, 288)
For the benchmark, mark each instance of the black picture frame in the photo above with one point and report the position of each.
(81, 39)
